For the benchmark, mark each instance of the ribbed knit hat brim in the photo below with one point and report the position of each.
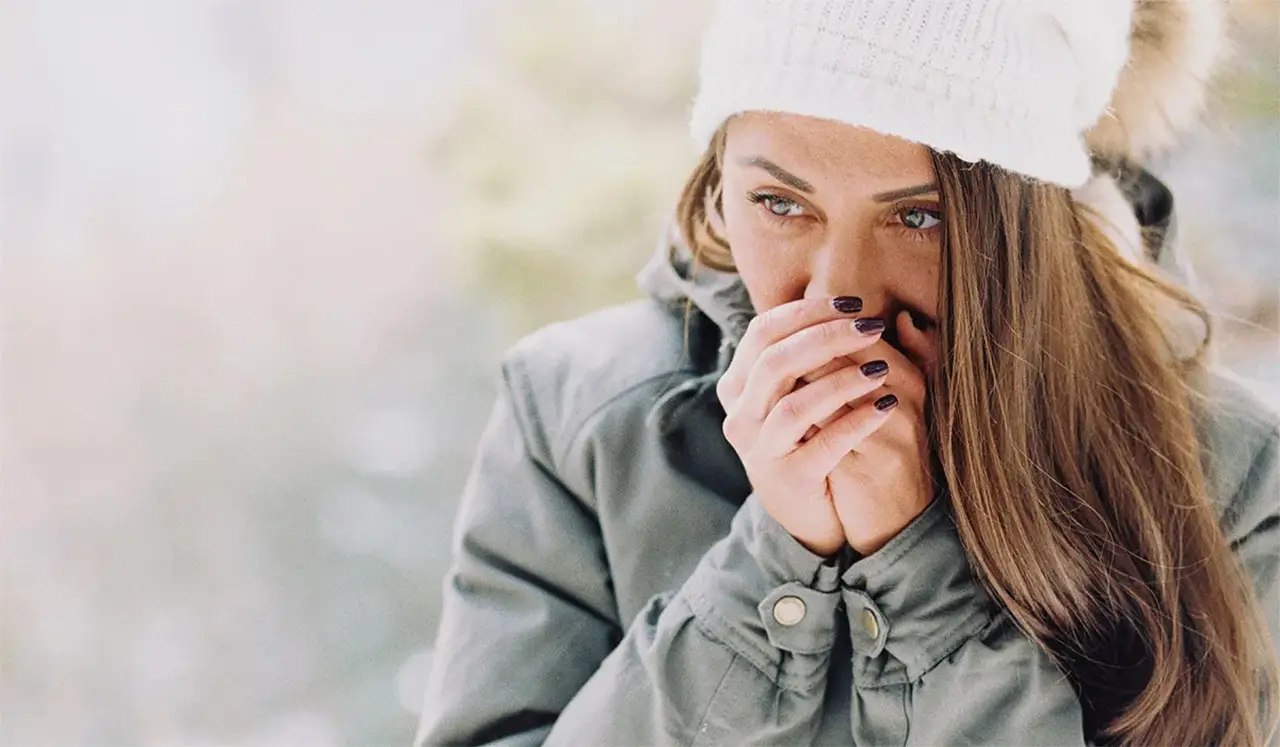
(1012, 82)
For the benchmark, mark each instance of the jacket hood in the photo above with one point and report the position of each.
(1175, 47)
(672, 277)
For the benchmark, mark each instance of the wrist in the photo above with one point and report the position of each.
(828, 550)
(864, 545)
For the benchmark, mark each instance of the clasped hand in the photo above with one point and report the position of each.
(828, 420)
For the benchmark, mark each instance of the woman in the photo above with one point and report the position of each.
(908, 446)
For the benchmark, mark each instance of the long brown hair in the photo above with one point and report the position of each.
(1062, 424)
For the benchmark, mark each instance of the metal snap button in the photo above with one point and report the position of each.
(789, 611)
(870, 625)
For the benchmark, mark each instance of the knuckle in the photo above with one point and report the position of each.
(739, 433)
(807, 468)
(761, 466)
(790, 409)
(852, 376)
(724, 391)
(773, 361)
(761, 325)
(730, 427)
(849, 430)
(829, 334)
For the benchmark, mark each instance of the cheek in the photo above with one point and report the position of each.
(773, 271)
(918, 283)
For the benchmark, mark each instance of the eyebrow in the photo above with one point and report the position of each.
(791, 180)
(898, 194)
(779, 173)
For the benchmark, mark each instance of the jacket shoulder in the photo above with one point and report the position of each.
(1241, 441)
(565, 375)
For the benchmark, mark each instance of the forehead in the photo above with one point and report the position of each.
(822, 151)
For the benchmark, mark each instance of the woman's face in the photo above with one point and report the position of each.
(815, 208)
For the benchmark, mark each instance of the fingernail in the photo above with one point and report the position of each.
(886, 403)
(847, 304)
(874, 369)
(869, 326)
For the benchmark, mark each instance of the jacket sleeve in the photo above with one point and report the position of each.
(975, 678)
(738, 655)
(998, 688)
(528, 612)
(1252, 526)
(935, 661)
(530, 651)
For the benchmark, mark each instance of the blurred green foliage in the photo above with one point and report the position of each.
(567, 151)
(566, 155)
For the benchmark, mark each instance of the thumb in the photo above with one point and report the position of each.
(919, 345)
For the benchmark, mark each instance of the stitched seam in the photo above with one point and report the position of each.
(575, 500)
(521, 423)
(808, 651)
(890, 561)
(906, 718)
(961, 635)
(956, 638)
(1231, 513)
(920, 535)
(826, 602)
(704, 614)
(893, 673)
(579, 430)
(702, 721)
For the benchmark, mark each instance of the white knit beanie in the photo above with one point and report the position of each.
(1012, 82)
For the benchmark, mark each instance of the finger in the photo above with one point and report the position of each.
(782, 364)
(903, 433)
(833, 365)
(788, 422)
(833, 417)
(905, 379)
(773, 325)
(817, 458)
(919, 345)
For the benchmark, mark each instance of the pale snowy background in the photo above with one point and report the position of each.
(258, 259)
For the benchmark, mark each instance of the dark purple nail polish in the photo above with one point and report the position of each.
(886, 403)
(874, 369)
(847, 304)
(869, 326)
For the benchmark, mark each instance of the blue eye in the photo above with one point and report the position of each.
(780, 207)
(919, 219)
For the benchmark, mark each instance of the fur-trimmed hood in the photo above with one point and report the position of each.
(1176, 46)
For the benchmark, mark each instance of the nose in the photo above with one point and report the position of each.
(847, 267)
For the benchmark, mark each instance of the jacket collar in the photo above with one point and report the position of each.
(672, 277)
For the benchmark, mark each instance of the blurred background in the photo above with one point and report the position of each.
(259, 260)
